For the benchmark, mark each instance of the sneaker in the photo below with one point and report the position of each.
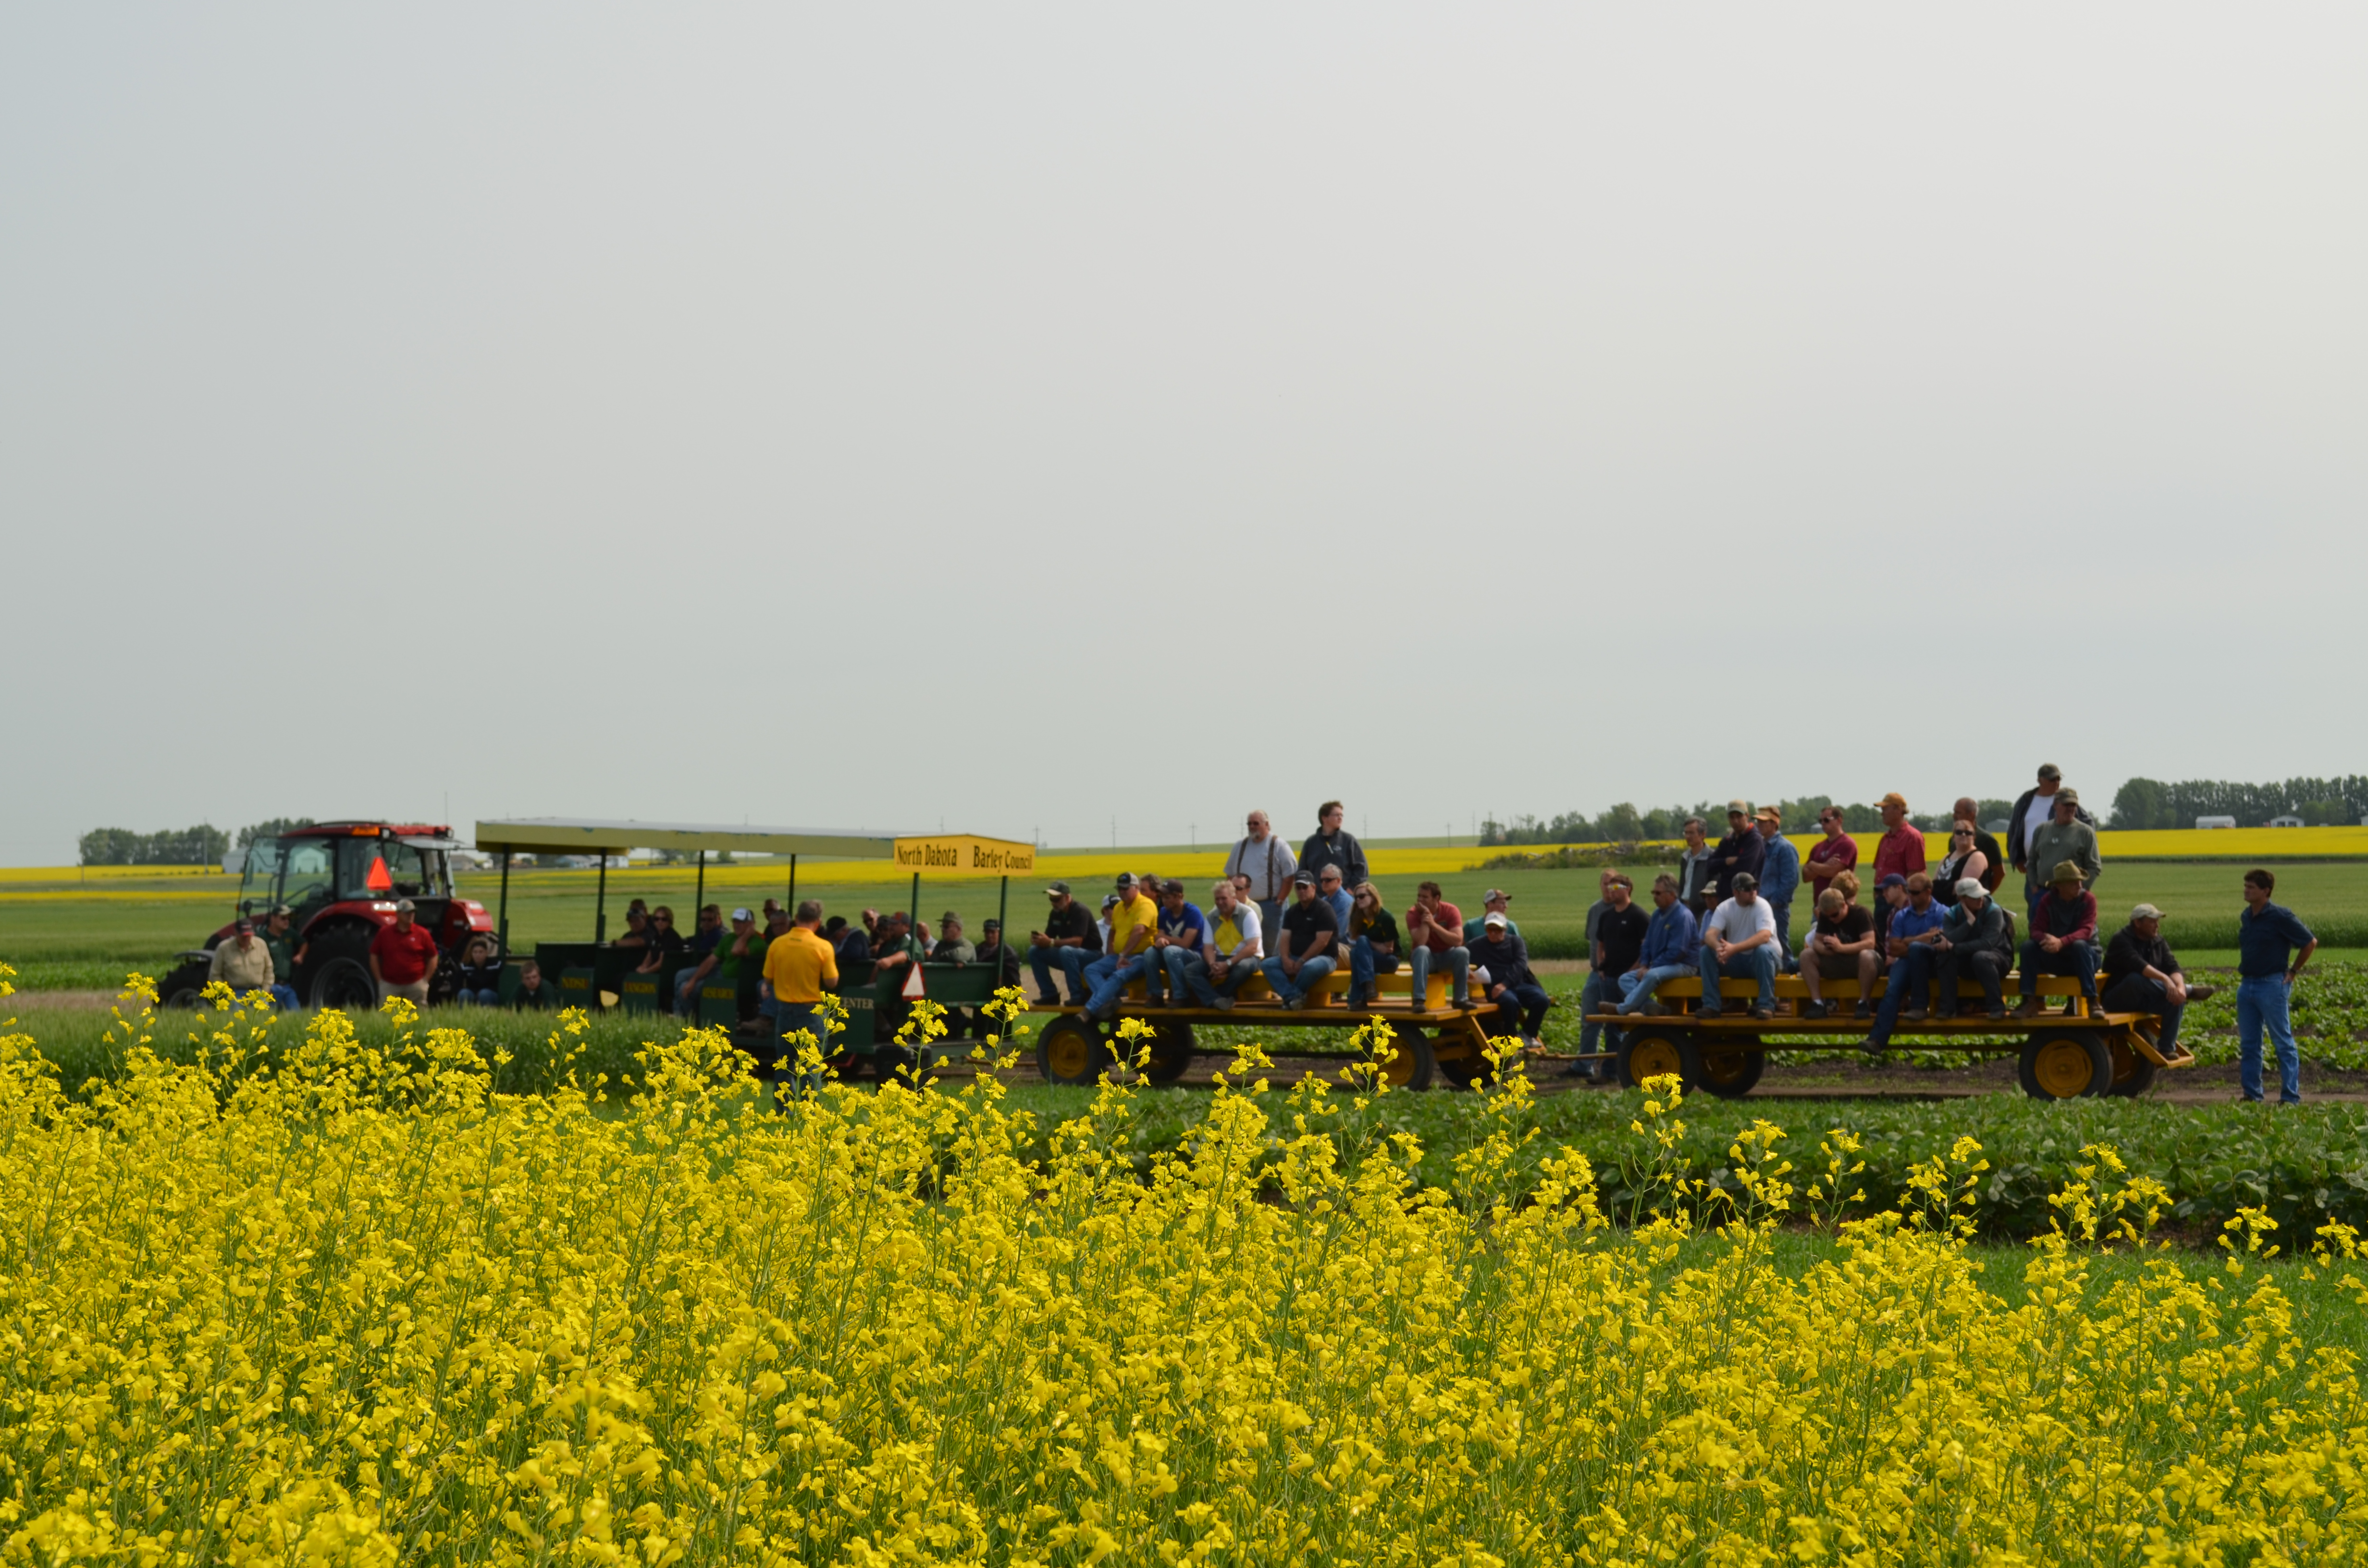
(1465, 1003)
(1294, 1002)
(1761, 1010)
(1996, 1012)
(1945, 1014)
(2200, 993)
(2030, 1008)
(1872, 1045)
(1357, 1001)
(1710, 1012)
(1816, 1009)
(1913, 1014)
(1864, 1009)
(1223, 1003)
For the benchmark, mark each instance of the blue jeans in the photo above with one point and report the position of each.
(1310, 973)
(1521, 1009)
(1363, 962)
(1758, 963)
(2261, 1001)
(1787, 959)
(794, 1017)
(2078, 959)
(1636, 989)
(1594, 997)
(2136, 993)
(1072, 963)
(464, 998)
(1108, 977)
(1188, 975)
(1910, 979)
(284, 1000)
(1458, 963)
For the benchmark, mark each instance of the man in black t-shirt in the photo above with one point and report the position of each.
(1069, 941)
(1841, 945)
(1617, 948)
(1308, 948)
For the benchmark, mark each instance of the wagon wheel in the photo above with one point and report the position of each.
(1729, 1066)
(1071, 1050)
(1414, 1066)
(1461, 1065)
(1651, 1051)
(1171, 1052)
(2067, 1064)
(2132, 1072)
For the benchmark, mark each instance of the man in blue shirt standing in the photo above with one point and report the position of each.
(2268, 934)
(1779, 879)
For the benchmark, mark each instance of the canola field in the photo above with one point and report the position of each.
(305, 1300)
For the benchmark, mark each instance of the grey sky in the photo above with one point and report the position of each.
(1027, 416)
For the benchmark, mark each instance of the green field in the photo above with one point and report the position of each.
(62, 938)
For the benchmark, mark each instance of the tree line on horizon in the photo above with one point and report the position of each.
(2139, 803)
(204, 845)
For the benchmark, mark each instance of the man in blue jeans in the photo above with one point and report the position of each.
(1308, 947)
(1739, 942)
(2268, 934)
(1671, 940)
(1912, 941)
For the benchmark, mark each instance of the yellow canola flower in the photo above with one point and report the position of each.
(308, 1301)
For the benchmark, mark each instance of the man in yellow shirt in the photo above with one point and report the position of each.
(798, 964)
(1130, 956)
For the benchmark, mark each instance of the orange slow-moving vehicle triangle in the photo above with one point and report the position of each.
(915, 987)
(379, 880)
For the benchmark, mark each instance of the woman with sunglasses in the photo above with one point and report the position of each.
(1963, 860)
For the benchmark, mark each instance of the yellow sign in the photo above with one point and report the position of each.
(960, 852)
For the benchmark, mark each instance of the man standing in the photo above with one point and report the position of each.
(1496, 901)
(1694, 869)
(1305, 951)
(402, 957)
(1913, 945)
(278, 935)
(1520, 1001)
(1269, 864)
(2141, 976)
(1128, 956)
(1070, 939)
(776, 925)
(1779, 879)
(1974, 941)
(1900, 851)
(2062, 836)
(1739, 943)
(1617, 945)
(2268, 936)
(245, 964)
(2063, 938)
(1435, 931)
(1739, 854)
(1671, 943)
(1229, 953)
(798, 965)
(1332, 845)
(2034, 809)
(1832, 855)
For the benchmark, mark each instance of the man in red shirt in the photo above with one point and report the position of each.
(402, 957)
(1435, 933)
(1830, 856)
(1901, 847)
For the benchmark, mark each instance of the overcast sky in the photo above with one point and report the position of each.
(1033, 416)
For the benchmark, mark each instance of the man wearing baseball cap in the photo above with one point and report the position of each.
(2062, 836)
(2141, 976)
(723, 964)
(1974, 942)
(1900, 851)
(245, 964)
(1739, 943)
(1070, 941)
(402, 957)
(1780, 878)
(1496, 901)
(1134, 922)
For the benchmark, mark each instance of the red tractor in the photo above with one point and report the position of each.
(339, 881)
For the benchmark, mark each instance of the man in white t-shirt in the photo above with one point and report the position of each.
(1235, 947)
(1739, 943)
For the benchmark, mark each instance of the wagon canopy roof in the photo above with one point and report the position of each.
(588, 835)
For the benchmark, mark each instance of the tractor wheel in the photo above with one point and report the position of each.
(1729, 1066)
(2067, 1064)
(1072, 1051)
(1652, 1051)
(1171, 1052)
(182, 987)
(2133, 1073)
(341, 976)
(1414, 1067)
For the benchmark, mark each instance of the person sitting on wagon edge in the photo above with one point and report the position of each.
(1304, 952)
(1373, 942)
(1840, 947)
(1070, 939)
(1133, 921)
(1520, 1001)
(1434, 929)
(2062, 937)
(1912, 941)
(2141, 976)
(1228, 954)
(1182, 929)
(1739, 942)
(1974, 937)
(1671, 943)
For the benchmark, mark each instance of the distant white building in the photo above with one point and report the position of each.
(2285, 822)
(2201, 822)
